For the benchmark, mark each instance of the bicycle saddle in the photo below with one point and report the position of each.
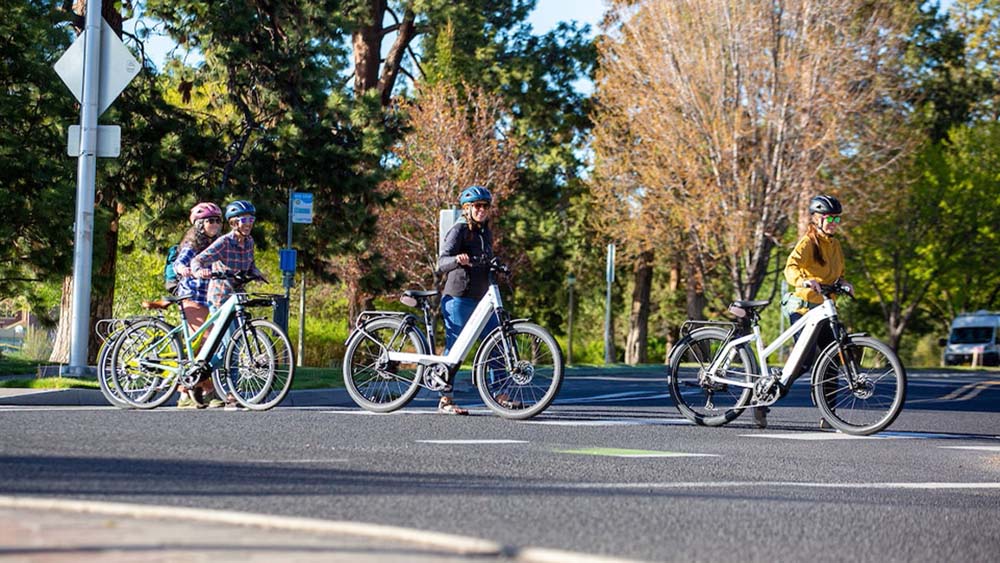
(750, 304)
(164, 302)
(419, 294)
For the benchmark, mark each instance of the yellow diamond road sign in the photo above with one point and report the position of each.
(118, 67)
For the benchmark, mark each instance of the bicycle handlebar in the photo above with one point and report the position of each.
(836, 288)
(493, 262)
(238, 277)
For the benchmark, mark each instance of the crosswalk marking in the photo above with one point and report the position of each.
(976, 448)
(467, 442)
(626, 453)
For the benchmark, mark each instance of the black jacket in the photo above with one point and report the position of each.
(465, 281)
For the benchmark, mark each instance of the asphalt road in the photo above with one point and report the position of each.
(610, 469)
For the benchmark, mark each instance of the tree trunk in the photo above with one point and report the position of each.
(367, 43)
(695, 292)
(636, 343)
(60, 348)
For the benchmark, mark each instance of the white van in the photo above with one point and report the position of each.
(973, 334)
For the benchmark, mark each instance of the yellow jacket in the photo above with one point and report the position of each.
(802, 265)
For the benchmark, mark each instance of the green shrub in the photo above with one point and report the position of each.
(926, 352)
(324, 341)
(37, 347)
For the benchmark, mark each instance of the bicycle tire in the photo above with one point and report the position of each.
(532, 385)
(145, 387)
(882, 383)
(105, 372)
(374, 383)
(259, 365)
(695, 398)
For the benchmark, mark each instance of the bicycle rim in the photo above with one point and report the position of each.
(701, 401)
(520, 379)
(142, 364)
(372, 381)
(878, 393)
(259, 365)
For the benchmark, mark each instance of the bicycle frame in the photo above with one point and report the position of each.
(212, 341)
(809, 324)
(490, 304)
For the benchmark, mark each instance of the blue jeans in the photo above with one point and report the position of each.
(456, 312)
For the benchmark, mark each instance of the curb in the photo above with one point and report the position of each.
(452, 543)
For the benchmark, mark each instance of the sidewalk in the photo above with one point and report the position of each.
(94, 398)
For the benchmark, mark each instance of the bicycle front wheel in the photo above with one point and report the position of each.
(373, 382)
(258, 365)
(144, 363)
(519, 377)
(702, 401)
(860, 387)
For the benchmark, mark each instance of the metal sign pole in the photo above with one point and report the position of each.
(86, 173)
(609, 346)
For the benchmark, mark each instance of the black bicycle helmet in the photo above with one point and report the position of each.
(826, 205)
(240, 207)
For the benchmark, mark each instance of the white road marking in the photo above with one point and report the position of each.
(463, 442)
(707, 485)
(977, 448)
(888, 435)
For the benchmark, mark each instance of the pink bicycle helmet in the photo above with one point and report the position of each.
(204, 210)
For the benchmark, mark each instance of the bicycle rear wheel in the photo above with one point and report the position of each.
(258, 365)
(704, 402)
(144, 363)
(879, 388)
(373, 382)
(534, 377)
(105, 372)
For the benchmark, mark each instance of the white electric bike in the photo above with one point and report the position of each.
(517, 369)
(719, 369)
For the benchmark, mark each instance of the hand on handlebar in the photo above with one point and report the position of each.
(812, 285)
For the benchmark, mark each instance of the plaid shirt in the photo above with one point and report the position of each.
(226, 254)
(197, 287)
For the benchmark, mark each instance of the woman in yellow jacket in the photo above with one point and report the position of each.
(817, 259)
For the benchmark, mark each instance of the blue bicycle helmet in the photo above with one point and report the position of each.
(240, 207)
(475, 193)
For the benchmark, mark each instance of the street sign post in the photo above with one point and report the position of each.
(96, 68)
(109, 141)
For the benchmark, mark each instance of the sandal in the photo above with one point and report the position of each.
(506, 402)
(447, 406)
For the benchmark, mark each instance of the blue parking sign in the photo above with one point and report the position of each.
(302, 207)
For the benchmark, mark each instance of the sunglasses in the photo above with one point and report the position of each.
(246, 219)
(481, 205)
(833, 219)
(214, 220)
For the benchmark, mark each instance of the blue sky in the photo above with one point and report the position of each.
(547, 14)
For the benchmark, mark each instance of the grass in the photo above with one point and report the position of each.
(51, 383)
(305, 378)
(14, 365)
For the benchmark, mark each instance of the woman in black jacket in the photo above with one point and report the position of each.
(467, 247)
